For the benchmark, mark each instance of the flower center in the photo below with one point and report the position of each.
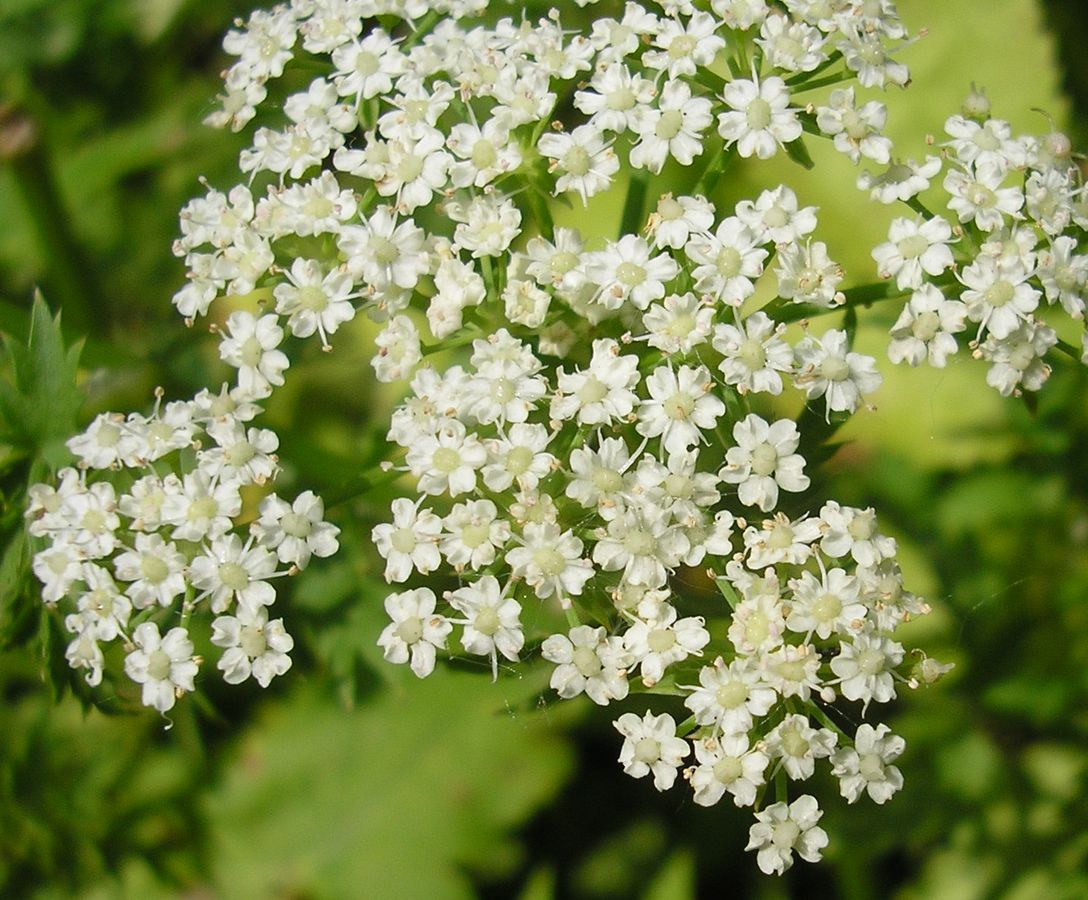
(576, 161)
(233, 576)
(251, 640)
(550, 561)
(403, 540)
(834, 368)
(679, 406)
(728, 769)
(670, 124)
(764, 459)
(446, 460)
(912, 247)
(729, 262)
(785, 834)
(487, 621)
(639, 542)
(826, 608)
(648, 751)
(410, 630)
(732, 694)
(753, 355)
(759, 114)
(158, 665)
(586, 662)
(661, 640)
(926, 326)
(153, 568)
(999, 293)
(630, 274)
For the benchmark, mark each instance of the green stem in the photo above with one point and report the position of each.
(1068, 349)
(823, 82)
(358, 486)
(715, 167)
(864, 295)
(631, 221)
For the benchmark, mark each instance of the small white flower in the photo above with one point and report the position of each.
(296, 531)
(865, 767)
(492, 621)
(416, 631)
(781, 830)
(650, 745)
(925, 328)
(588, 661)
(914, 249)
(251, 349)
(410, 542)
(680, 407)
(762, 119)
(550, 561)
(727, 764)
(164, 665)
(764, 461)
(827, 368)
(253, 646)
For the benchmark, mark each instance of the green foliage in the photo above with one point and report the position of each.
(320, 802)
(38, 405)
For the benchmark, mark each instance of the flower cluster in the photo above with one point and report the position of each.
(1006, 246)
(596, 429)
(149, 533)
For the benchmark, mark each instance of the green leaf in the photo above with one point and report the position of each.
(394, 799)
(38, 406)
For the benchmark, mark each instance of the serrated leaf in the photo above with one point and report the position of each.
(38, 407)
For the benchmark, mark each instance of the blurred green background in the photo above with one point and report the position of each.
(348, 778)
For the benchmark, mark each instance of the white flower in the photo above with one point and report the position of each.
(865, 767)
(601, 394)
(914, 249)
(229, 570)
(776, 216)
(901, 180)
(674, 129)
(729, 697)
(588, 661)
(641, 543)
(626, 273)
(684, 46)
(999, 296)
(727, 764)
(799, 745)
(781, 830)
(398, 350)
(679, 323)
(550, 562)
(925, 328)
(486, 152)
(155, 570)
(977, 195)
(856, 132)
(764, 461)
(251, 349)
(416, 631)
(487, 224)
(410, 542)
(296, 531)
(826, 605)
(650, 745)
(315, 301)
(865, 668)
(660, 639)
(680, 406)
(164, 665)
(847, 530)
(254, 646)
(1018, 358)
(492, 621)
(761, 120)
(618, 98)
(472, 534)
(587, 163)
(729, 261)
(806, 274)
(597, 476)
(447, 462)
(245, 456)
(827, 368)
